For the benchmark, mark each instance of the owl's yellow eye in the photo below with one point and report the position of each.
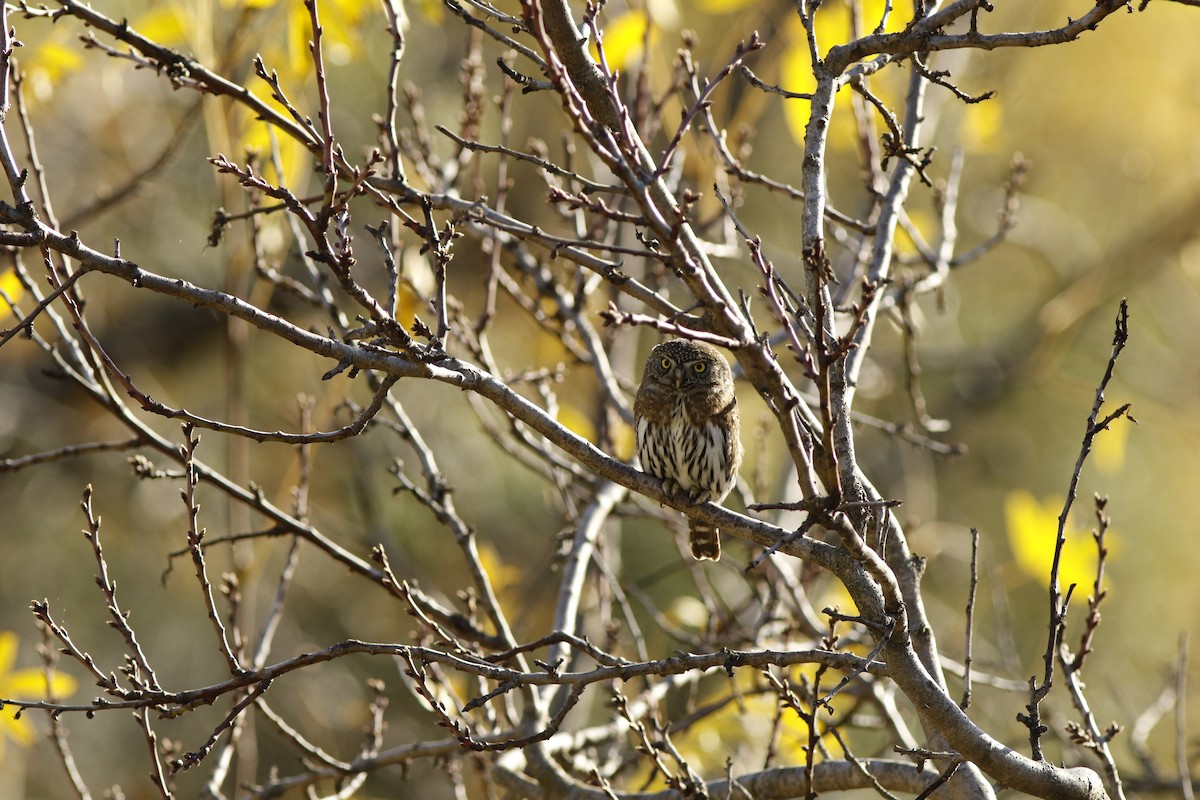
(666, 363)
(699, 366)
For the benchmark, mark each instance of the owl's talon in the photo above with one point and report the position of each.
(693, 497)
(673, 490)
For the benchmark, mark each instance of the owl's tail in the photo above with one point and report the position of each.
(706, 541)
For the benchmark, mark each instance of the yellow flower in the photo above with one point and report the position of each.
(23, 684)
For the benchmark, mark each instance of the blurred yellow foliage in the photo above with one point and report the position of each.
(686, 611)
(408, 306)
(287, 52)
(836, 596)
(10, 288)
(505, 577)
(1032, 528)
(795, 70)
(833, 25)
(549, 350)
(258, 138)
(721, 6)
(432, 10)
(1108, 447)
(416, 285)
(624, 38)
(577, 422)
(298, 58)
(624, 441)
(982, 125)
(48, 65)
(748, 722)
(24, 684)
(164, 24)
(794, 734)
(795, 75)
(341, 42)
(923, 222)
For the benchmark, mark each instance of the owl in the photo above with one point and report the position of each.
(686, 417)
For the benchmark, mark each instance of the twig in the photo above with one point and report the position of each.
(1058, 604)
(614, 316)
(1181, 744)
(174, 703)
(940, 77)
(969, 638)
(195, 536)
(574, 572)
(702, 97)
(26, 323)
(875, 784)
(58, 730)
(138, 671)
(68, 451)
(588, 186)
(758, 83)
(191, 759)
(310, 750)
(324, 110)
(158, 776)
(1092, 621)
(946, 775)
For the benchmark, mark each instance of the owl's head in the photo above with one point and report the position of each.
(682, 363)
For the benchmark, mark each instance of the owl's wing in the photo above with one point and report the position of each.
(729, 421)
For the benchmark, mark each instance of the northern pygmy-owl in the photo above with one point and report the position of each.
(686, 417)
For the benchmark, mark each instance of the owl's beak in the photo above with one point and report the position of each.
(678, 376)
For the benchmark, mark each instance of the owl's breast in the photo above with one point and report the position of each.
(682, 434)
